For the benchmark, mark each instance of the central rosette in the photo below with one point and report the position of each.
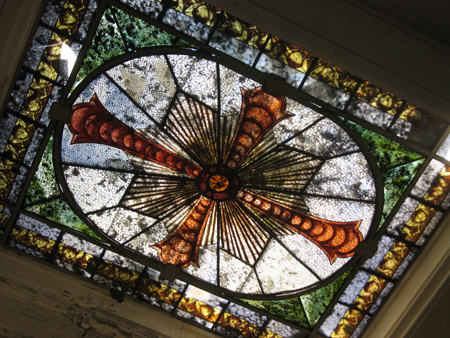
(218, 182)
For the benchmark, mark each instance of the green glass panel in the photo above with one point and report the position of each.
(315, 303)
(44, 184)
(107, 43)
(289, 309)
(58, 211)
(395, 182)
(139, 34)
(398, 164)
(387, 153)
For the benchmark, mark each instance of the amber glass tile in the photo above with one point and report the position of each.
(199, 10)
(199, 309)
(423, 119)
(439, 188)
(378, 98)
(417, 223)
(32, 240)
(334, 76)
(348, 324)
(242, 31)
(288, 54)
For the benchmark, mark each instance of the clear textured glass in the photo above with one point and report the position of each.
(269, 65)
(38, 227)
(332, 320)
(324, 139)
(233, 47)
(325, 92)
(6, 126)
(295, 275)
(186, 25)
(369, 113)
(427, 178)
(110, 187)
(82, 245)
(351, 178)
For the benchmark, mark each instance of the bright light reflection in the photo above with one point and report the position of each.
(68, 54)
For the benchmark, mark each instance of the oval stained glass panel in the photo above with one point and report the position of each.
(187, 162)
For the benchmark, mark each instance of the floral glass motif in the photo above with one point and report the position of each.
(209, 186)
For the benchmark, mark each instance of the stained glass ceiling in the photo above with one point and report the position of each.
(215, 171)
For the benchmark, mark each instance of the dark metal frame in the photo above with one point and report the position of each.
(308, 100)
(157, 265)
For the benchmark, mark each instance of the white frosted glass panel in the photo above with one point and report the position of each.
(126, 224)
(103, 219)
(38, 227)
(133, 80)
(369, 113)
(325, 139)
(143, 243)
(148, 81)
(230, 90)
(207, 259)
(149, 7)
(202, 82)
(233, 47)
(181, 65)
(186, 24)
(325, 92)
(302, 118)
(96, 189)
(233, 272)
(115, 102)
(312, 256)
(346, 176)
(251, 285)
(278, 270)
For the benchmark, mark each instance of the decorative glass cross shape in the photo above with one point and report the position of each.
(219, 184)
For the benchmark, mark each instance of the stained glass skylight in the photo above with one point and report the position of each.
(214, 192)
(211, 169)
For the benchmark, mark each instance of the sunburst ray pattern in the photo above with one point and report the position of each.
(238, 188)
(157, 196)
(240, 234)
(194, 126)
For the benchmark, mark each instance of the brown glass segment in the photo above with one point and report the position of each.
(335, 239)
(181, 247)
(93, 123)
(260, 112)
